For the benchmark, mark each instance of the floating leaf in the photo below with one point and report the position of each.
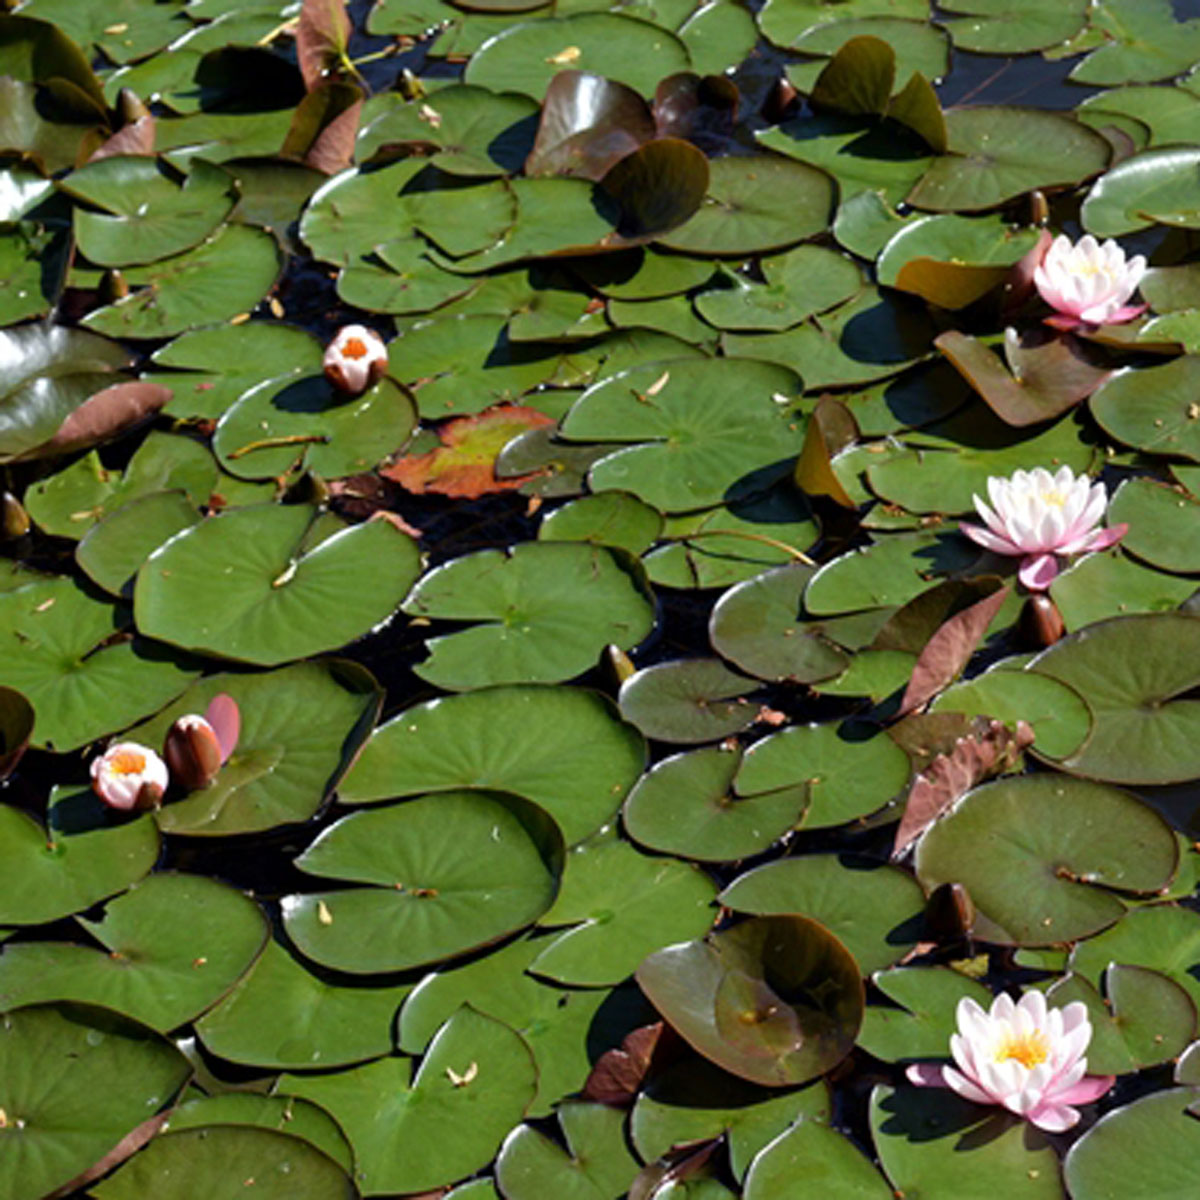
(810, 1149)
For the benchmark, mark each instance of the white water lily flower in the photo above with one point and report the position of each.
(128, 776)
(1038, 515)
(1089, 282)
(1024, 1056)
(355, 359)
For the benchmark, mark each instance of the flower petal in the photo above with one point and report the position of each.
(1038, 571)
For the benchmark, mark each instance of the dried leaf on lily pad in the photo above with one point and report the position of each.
(105, 415)
(322, 35)
(990, 748)
(464, 465)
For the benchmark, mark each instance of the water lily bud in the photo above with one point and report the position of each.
(193, 752)
(129, 777)
(355, 359)
(1040, 622)
(14, 521)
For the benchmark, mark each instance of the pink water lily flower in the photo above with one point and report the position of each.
(128, 776)
(355, 359)
(1040, 516)
(1088, 282)
(1023, 1056)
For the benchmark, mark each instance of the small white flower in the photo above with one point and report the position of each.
(1037, 516)
(355, 359)
(1089, 282)
(128, 776)
(1023, 1056)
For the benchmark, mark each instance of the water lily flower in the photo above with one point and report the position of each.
(1089, 282)
(196, 747)
(128, 776)
(1040, 516)
(1023, 1056)
(355, 359)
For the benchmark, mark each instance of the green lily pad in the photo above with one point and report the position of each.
(282, 1017)
(527, 55)
(595, 1163)
(1111, 584)
(248, 585)
(1150, 1144)
(614, 925)
(848, 775)
(124, 30)
(693, 1101)
(146, 970)
(1151, 408)
(776, 1000)
(300, 727)
(997, 153)
(31, 264)
(1060, 717)
(146, 214)
(548, 609)
(686, 805)
(562, 748)
(222, 1157)
(53, 1064)
(1142, 42)
(450, 872)
(919, 1132)
(916, 45)
(112, 550)
(63, 652)
(85, 853)
(412, 1132)
(642, 273)
(1013, 26)
(1167, 112)
(1046, 859)
(226, 361)
(690, 700)
(718, 35)
(694, 434)
(1129, 669)
(762, 202)
(874, 910)
(607, 519)
(785, 21)
(797, 284)
(811, 1150)
(922, 1025)
(1164, 524)
(1142, 1019)
(219, 279)
(1152, 186)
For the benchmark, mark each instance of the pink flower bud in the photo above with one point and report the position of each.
(193, 752)
(355, 359)
(129, 777)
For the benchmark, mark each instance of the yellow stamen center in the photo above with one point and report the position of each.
(127, 763)
(1056, 499)
(1028, 1049)
(355, 348)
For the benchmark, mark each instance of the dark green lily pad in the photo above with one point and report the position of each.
(548, 609)
(614, 925)
(1142, 42)
(219, 279)
(86, 853)
(1045, 859)
(1013, 26)
(606, 519)
(690, 700)
(411, 1132)
(874, 910)
(686, 805)
(642, 273)
(1151, 408)
(718, 35)
(916, 46)
(146, 970)
(249, 585)
(1129, 669)
(31, 264)
(53, 1064)
(785, 21)
(812, 1150)
(997, 153)
(300, 727)
(849, 775)
(776, 1000)
(450, 872)
(919, 1134)
(1164, 524)
(16, 728)
(756, 203)
(1112, 584)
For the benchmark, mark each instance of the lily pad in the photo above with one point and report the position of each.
(1046, 859)
(691, 700)
(53, 1063)
(450, 872)
(1142, 42)
(1148, 187)
(549, 609)
(300, 726)
(812, 1150)
(146, 970)
(249, 585)
(776, 1000)
(1164, 524)
(1013, 26)
(606, 519)
(657, 901)
(1112, 584)
(412, 1132)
